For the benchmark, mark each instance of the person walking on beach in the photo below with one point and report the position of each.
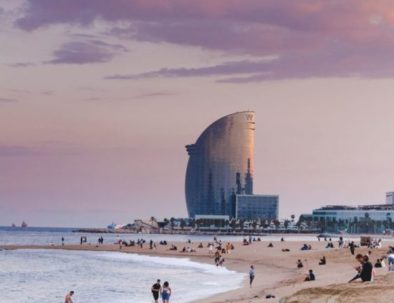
(166, 292)
(251, 275)
(68, 297)
(351, 247)
(156, 289)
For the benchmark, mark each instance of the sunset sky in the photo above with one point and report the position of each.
(99, 98)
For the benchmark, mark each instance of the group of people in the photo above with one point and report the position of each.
(306, 247)
(100, 240)
(164, 291)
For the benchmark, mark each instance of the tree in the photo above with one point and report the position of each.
(166, 221)
(183, 223)
(172, 221)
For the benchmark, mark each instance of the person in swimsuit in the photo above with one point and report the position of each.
(166, 292)
(68, 297)
(156, 288)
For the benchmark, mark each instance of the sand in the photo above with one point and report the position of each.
(276, 271)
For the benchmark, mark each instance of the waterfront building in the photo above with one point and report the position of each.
(390, 197)
(219, 175)
(376, 212)
(221, 165)
(256, 207)
(374, 218)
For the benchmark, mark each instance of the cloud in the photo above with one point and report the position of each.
(8, 100)
(310, 38)
(275, 68)
(43, 148)
(85, 52)
(22, 64)
(228, 68)
(14, 150)
(145, 95)
(155, 95)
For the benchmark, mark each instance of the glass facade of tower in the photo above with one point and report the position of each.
(221, 165)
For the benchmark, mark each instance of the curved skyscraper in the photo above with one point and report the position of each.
(221, 165)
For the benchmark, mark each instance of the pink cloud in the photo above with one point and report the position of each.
(83, 52)
(308, 36)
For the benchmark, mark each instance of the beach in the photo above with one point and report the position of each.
(276, 270)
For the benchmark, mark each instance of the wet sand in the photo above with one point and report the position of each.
(276, 271)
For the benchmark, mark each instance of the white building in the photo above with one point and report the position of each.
(390, 197)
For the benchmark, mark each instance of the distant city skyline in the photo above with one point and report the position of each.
(98, 100)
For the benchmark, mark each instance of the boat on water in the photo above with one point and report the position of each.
(24, 224)
(13, 225)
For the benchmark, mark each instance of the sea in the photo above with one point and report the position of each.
(46, 275)
(53, 235)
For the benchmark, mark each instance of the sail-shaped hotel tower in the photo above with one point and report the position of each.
(221, 165)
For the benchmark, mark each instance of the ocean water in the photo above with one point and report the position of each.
(48, 236)
(45, 276)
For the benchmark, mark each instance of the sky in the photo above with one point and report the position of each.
(99, 98)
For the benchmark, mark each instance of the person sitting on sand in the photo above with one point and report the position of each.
(270, 245)
(166, 292)
(365, 271)
(310, 276)
(378, 263)
(330, 245)
(382, 261)
(299, 264)
(359, 258)
(323, 261)
(68, 299)
(200, 245)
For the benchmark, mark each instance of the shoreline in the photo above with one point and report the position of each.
(276, 272)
